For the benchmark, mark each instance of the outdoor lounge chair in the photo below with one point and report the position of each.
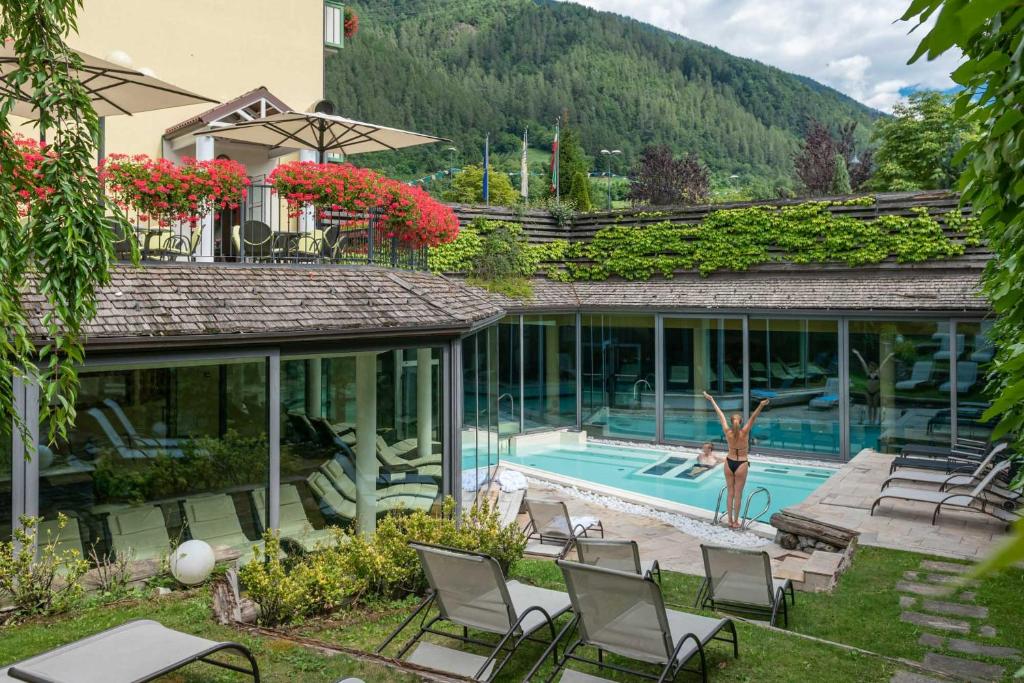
(623, 556)
(134, 652)
(293, 523)
(976, 500)
(966, 377)
(134, 437)
(967, 475)
(943, 339)
(920, 375)
(740, 580)
(212, 518)
(624, 613)
(470, 591)
(138, 532)
(924, 457)
(551, 531)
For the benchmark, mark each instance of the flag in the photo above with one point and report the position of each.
(524, 171)
(487, 169)
(555, 186)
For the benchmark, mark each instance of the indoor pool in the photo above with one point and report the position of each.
(667, 474)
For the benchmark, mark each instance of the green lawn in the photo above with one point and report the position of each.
(863, 611)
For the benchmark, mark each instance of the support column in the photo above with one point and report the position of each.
(204, 251)
(424, 403)
(314, 387)
(552, 372)
(887, 373)
(307, 220)
(367, 467)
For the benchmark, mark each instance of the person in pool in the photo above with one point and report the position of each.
(736, 463)
(706, 460)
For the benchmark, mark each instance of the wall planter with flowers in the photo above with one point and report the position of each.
(168, 201)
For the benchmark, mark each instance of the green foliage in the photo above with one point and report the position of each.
(465, 67)
(573, 169)
(580, 192)
(468, 187)
(64, 250)
(43, 583)
(379, 566)
(841, 177)
(917, 145)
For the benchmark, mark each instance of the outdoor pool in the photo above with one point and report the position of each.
(666, 474)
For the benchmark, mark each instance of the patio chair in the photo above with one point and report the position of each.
(624, 613)
(120, 446)
(966, 377)
(333, 505)
(829, 397)
(470, 591)
(920, 375)
(134, 437)
(138, 532)
(329, 435)
(740, 580)
(552, 529)
(962, 476)
(293, 524)
(253, 240)
(123, 233)
(623, 556)
(212, 518)
(975, 501)
(137, 651)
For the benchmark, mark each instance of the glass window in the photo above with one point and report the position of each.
(159, 455)
(701, 355)
(549, 371)
(6, 492)
(321, 442)
(972, 366)
(480, 396)
(795, 364)
(899, 383)
(508, 376)
(618, 376)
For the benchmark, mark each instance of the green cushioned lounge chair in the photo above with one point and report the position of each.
(212, 518)
(139, 532)
(293, 522)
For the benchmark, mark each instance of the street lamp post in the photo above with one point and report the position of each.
(451, 161)
(608, 154)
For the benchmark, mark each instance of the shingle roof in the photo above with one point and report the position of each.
(907, 288)
(193, 301)
(244, 100)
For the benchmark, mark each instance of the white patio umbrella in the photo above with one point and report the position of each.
(321, 132)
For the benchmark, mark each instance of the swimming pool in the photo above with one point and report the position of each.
(666, 474)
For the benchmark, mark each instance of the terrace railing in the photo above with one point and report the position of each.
(261, 230)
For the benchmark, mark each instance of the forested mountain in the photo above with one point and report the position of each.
(460, 68)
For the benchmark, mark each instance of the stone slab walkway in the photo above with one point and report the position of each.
(846, 497)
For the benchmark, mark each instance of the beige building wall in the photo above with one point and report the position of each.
(215, 48)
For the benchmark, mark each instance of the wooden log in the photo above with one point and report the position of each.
(795, 523)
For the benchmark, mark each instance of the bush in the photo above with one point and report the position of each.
(280, 594)
(47, 583)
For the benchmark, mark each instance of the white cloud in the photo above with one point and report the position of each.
(858, 47)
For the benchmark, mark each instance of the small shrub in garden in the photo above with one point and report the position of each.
(279, 593)
(47, 583)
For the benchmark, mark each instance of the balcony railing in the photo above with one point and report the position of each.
(262, 231)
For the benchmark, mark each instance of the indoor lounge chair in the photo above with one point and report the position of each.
(138, 532)
(302, 428)
(740, 580)
(829, 397)
(134, 437)
(293, 523)
(920, 375)
(966, 377)
(342, 474)
(133, 652)
(623, 556)
(120, 446)
(551, 531)
(470, 591)
(330, 435)
(212, 518)
(393, 462)
(976, 500)
(624, 613)
(334, 506)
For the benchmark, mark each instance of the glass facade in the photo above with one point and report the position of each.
(972, 365)
(618, 373)
(795, 364)
(480, 400)
(549, 371)
(6, 489)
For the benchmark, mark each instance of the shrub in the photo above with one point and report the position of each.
(47, 583)
(280, 594)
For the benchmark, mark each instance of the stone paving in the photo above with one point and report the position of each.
(950, 616)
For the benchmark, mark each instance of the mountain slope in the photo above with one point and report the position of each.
(460, 68)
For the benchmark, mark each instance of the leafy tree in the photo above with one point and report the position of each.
(660, 179)
(62, 250)
(861, 169)
(840, 176)
(917, 145)
(815, 163)
(573, 169)
(468, 187)
(990, 37)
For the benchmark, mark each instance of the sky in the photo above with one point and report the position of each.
(853, 46)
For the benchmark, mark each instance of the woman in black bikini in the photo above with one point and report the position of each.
(737, 465)
(873, 385)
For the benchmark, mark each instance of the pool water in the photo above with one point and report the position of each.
(669, 475)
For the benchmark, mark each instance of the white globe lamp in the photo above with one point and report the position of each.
(192, 562)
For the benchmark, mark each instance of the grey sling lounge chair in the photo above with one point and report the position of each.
(470, 591)
(621, 555)
(741, 581)
(967, 475)
(552, 529)
(134, 652)
(624, 613)
(976, 500)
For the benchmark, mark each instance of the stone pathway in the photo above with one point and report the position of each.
(933, 600)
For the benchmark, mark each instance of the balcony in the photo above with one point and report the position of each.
(261, 230)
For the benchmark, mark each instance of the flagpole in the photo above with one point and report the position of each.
(487, 169)
(558, 153)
